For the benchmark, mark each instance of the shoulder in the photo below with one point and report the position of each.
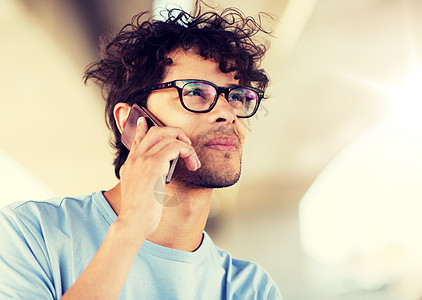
(48, 243)
(56, 203)
(246, 279)
(36, 209)
(37, 216)
(240, 267)
(39, 235)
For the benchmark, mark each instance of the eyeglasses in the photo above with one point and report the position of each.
(201, 96)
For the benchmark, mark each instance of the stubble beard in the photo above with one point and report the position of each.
(218, 169)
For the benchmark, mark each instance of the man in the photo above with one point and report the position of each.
(199, 76)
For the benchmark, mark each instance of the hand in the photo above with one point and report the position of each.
(148, 160)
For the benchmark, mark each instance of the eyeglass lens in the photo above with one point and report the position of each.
(199, 96)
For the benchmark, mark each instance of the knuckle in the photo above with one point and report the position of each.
(154, 160)
(153, 129)
(168, 139)
(136, 141)
(191, 150)
(177, 145)
(155, 164)
(180, 131)
(134, 159)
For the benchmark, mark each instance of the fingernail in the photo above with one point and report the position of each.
(198, 163)
(139, 121)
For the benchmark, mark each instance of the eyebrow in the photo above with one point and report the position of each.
(230, 85)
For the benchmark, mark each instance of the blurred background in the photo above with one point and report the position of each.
(330, 196)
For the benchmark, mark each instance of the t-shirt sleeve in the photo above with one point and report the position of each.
(23, 263)
(274, 293)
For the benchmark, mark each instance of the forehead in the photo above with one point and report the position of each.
(189, 65)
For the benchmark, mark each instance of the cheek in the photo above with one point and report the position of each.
(167, 108)
(192, 127)
(184, 120)
(181, 118)
(242, 128)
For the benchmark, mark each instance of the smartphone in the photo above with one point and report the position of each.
(129, 130)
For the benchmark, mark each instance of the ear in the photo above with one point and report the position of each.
(121, 112)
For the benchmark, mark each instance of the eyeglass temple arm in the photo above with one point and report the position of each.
(159, 86)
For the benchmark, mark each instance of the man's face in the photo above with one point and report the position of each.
(217, 136)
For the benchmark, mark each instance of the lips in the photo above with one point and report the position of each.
(223, 144)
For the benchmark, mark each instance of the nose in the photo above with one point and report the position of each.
(222, 112)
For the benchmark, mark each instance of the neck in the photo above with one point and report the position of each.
(185, 213)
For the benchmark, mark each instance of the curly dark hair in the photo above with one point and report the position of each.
(137, 56)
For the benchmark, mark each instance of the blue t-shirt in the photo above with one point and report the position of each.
(45, 246)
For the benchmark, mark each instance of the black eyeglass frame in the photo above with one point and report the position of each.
(180, 83)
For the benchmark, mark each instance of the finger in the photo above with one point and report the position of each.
(156, 134)
(191, 159)
(170, 148)
(175, 132)
(141, 128)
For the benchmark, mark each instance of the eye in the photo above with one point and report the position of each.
(236, 97)
(193, 92)
(242, 95)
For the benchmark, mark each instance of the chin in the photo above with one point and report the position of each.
(212, 179)
(212, 174)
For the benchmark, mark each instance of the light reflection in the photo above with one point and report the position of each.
(407, 101)
(362, 213)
